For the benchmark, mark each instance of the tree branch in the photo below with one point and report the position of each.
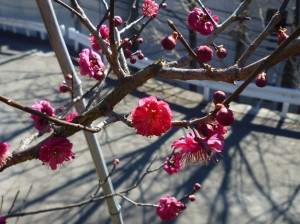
(262, 36)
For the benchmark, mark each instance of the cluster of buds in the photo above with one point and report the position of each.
(205, 53)
(128, 53)
(169, 207)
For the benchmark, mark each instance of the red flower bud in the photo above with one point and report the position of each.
(132, 60)
(140, 56)
(261, 80)
(219, 97)
(69, 76)
(118, 21)
(197, 186)
(221, 51)
(128, 43)
(192, 197)
(282, 36)
(127, 53)
(116, 162)
(225, 116)
(169, 42)
(63, 88)
(139, 40)
(204, 54)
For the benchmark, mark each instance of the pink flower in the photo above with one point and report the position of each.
(90, 63)
(44, 107)
(151, 117)
(150, 8)
(104, 33)
(56, 151)
(174, 164)
(95, 45)
(169, 208)
(194, 151)
(71, 116)
(4, 154)
(2, 219)
(199, 21)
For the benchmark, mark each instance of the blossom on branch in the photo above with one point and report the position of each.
(151, 117)
(44, 107)
(104, 33)
(4, 154)
(169, 208)
(56, 151)
(150, 8)
(199, 21)
(91, 64)
(194, 150)
(71, 116)
(174, 164)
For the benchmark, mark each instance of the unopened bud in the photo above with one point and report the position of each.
(197, 186)
(221, 51)
(118, 21)
(132, 60)
(192, 197)
(140, 56)
(204, 54)
(116, 162)
(169, 42)
(63, 88)
(69, 77)
(261, 80)
(218, 97)
(139, 40)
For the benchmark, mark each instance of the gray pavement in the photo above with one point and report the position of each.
(256, 181)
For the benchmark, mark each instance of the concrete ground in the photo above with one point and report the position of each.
(256, 181)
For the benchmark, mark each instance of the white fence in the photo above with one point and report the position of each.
(271, 93)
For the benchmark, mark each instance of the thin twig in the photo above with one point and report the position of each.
(262, 66)
(185, 44)
(87, 23)
(1, 204)
(14, 201)
(24, 201)
(262, 36)
(144, 175)
(183, 61)
(138, 203)
(131, 24)
(207, 14)
(56, 121)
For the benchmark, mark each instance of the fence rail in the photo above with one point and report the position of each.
(271, 93)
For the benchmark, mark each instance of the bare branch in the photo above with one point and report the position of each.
(183, 61)
(261, 37)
